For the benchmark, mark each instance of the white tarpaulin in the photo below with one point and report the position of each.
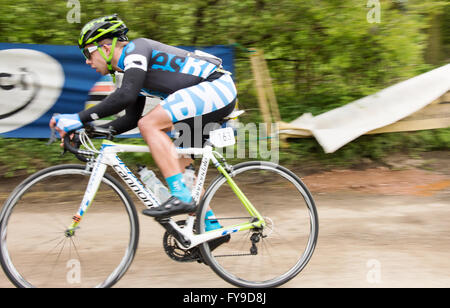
(335, 128)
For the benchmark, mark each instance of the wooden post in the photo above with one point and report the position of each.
(266, 95)
(259, 84)
(275, 112)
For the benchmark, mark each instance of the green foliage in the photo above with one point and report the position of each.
(26, 156)
(373, 147)
(322, 54)
(19, 156)
(446, 31)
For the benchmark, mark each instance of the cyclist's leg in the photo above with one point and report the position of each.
(209, 98)
(184, 160)
(207, 122)
(196, 110)
(152, 127)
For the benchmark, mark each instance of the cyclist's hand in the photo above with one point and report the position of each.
(64, 123)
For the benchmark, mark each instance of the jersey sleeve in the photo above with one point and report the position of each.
(135, 66)
(133, 113)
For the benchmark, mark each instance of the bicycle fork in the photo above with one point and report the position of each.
(107, 157)
(95, 179)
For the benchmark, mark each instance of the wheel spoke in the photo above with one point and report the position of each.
(38, 252)
(276, 253)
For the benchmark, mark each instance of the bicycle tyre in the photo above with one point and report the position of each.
(14, 274)
(228, 275)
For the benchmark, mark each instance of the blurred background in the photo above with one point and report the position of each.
(382, 197)
(321, 54)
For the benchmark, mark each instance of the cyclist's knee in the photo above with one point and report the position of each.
(145, 124)
(155, 120)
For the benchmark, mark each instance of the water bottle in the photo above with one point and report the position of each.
(189, 177)
(151, 181)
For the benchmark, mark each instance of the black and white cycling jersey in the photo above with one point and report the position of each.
(190, 84)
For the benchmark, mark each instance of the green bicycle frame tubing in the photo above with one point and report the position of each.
(248, 205)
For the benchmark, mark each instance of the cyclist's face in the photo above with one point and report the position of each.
(96, 61)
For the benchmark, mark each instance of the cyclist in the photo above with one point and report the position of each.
(194, 88)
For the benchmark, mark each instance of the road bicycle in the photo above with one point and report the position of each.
(53, 234)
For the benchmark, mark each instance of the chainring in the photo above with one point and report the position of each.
(176, 252)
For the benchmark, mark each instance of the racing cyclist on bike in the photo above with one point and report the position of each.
(193, 87)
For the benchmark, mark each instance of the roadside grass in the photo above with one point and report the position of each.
(19, 157)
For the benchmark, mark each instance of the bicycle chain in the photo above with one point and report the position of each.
(234, 255)
(253, 250)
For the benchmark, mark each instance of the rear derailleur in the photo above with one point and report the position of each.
(255, 238)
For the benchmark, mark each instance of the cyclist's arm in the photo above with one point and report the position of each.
(119, 100)
(129, 121)
(134, 65)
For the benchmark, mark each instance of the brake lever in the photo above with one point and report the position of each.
(53, 137)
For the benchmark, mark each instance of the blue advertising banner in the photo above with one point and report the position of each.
(37, 81)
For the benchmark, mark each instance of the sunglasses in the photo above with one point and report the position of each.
(89, 50)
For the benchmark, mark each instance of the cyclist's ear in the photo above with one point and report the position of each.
(106, 50)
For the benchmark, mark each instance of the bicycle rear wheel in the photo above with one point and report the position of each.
(276, 253)
(35, 250)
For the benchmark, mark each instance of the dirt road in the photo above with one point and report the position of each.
(378, 228)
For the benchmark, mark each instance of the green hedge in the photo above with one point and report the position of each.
(26, 156)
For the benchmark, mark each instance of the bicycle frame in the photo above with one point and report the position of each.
(107, 156)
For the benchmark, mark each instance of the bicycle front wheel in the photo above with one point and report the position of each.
(36, 251)
(268, 256)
